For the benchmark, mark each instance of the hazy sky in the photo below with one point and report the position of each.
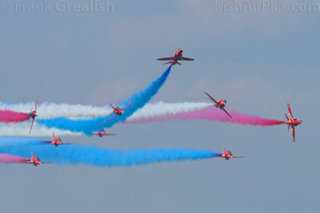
(257, 59)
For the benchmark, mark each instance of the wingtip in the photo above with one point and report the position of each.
(208, 95)
(105, 120)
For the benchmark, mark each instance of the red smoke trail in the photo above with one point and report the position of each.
(211, 114)
(6, 158)
(9, 116)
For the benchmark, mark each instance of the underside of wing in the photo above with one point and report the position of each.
(294, 134)
(31, 126)
(165, 59)
(214, 100)
(186, 59)
(127, 106)
(46, 142)
(226, 112)
(66, 144)
(238, 156)
(109, 118)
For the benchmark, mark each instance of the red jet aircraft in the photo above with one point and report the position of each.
(292, 122)
(34, 160)
(177, 56)
(33, 114)
(56, 141)
(116, 111)
(227, 155)
(101, 133)
(219, 104)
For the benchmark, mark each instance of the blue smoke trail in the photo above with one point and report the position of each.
(74, 154)
(7, 141)
(88, 126)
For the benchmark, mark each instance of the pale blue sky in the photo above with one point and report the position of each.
(257, 60)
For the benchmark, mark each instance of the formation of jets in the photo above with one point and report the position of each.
(118, 111)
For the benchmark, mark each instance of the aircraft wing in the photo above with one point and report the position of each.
(31, 126)
(186, 59)
(66, 144)
(111, 105)
(226, 112)
(217, 155)
(35, 108)
(165, 59)
(214, 100)
(46, 162)
(290, 112)
(127, 106)
(109, 118)
(28, 162)
(294, 134)
(46, 142)
(237, 157)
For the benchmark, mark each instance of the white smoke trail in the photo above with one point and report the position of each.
(22, 130)
(75, 111)
(163, 108)
(51, 110)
